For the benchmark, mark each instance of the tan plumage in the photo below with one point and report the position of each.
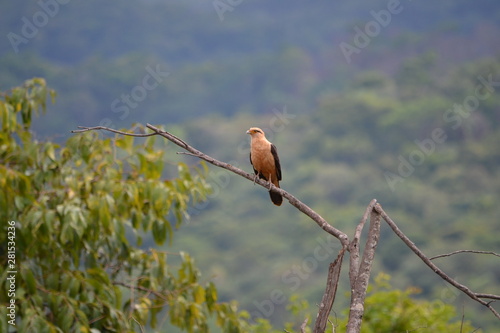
(265, 161)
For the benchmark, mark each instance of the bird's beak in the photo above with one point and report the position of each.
(248, 132)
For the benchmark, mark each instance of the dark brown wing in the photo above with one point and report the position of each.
(256, 172)
(277, 164)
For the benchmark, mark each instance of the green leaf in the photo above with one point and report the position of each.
(99, 274)
(65, 317)
(52, 281)
(126, 143)
(199, 294)
(211, 296)
(159, 231)
(82, 318)
(49, 150)
(135, 219)
(29, 278)
(104, 215)
(66, 281)
(74, 287)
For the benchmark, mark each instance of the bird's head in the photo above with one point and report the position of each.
(255, 132)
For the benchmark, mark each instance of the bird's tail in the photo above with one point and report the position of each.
(276, 198)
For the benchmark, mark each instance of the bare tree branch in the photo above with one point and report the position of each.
(86, 129)
(464, 251)
(358, 294)
(320, 221)
(354, 245)
(431, 265)
(293, 200)
(329, 296)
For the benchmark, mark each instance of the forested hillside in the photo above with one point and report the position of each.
(398, 101)
(257, 56)
(431, 165)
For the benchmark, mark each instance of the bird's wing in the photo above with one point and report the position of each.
(277, 164)
(256, 172)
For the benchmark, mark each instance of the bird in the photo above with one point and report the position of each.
(265, 161)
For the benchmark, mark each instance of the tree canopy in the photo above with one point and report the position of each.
(81, 210)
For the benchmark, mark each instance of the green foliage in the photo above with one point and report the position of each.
(77, 208)
(388, 310)
(391, 310)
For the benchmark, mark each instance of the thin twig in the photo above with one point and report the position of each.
(95, 128)
(431, 265)
(147, 290)
(303, 326)
(331, 323)
(464, 251)
(463, 319)
(490, 296)
(93, 320)
(138, 323)
(185, 153)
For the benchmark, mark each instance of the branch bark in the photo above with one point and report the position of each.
(464, 251)
(329, 296)
(362, 277)
(354, 245)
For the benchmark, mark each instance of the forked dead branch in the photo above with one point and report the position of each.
(359, 264)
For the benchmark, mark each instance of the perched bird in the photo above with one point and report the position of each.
(265, 161)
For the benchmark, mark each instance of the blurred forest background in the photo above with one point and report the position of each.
(411, 117)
